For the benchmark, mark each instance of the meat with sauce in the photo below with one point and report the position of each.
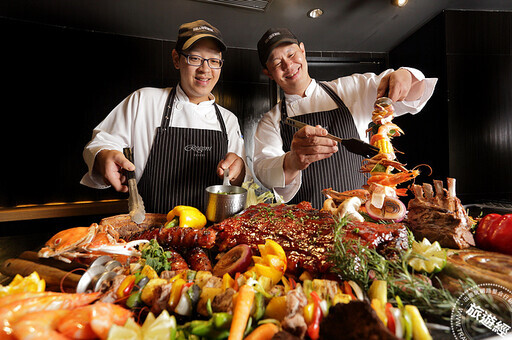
(306, 234)
(439, 216)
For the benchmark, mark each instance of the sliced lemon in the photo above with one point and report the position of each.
(134, 326)
(161, 328)
(148, 322)
(121, 332)
(427, 257)
(30, 283)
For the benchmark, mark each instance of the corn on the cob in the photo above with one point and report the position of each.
(384, 146)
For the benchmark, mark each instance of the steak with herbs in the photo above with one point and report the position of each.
(306, 234)
(439, 216)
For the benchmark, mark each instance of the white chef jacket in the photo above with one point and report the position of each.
(134, 122)
(357, 91)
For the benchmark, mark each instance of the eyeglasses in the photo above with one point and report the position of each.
(196, 60)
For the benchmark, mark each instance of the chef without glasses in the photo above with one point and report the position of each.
(299, 164)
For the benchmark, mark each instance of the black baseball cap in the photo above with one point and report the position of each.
(272, 38)
(191, 32)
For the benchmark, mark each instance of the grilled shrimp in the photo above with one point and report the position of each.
(11, 312)
(40, 325)
(93, 321)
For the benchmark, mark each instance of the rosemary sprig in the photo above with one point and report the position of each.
(354, 261)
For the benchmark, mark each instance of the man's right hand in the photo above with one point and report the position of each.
(110, 165)
(309, 145)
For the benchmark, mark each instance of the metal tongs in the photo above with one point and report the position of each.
(353, 145)
(135, 203)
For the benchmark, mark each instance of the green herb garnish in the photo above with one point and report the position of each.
(354, 261)
(156, 257)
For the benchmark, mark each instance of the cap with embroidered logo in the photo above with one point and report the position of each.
(273, 38)
(191, 32)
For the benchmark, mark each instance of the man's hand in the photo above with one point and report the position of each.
(400, 85)
(236, 166)
(308, 145)
(110, 165)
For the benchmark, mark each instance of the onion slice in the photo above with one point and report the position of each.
(392, 210)
(357, 290)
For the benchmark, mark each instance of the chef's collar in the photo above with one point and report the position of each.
(309, 91)
(182, 96)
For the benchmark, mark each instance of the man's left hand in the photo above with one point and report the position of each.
(236, 166)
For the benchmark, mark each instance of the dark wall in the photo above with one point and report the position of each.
(59, 83)
(465, 131)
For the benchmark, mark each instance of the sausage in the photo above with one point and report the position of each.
(198, 259)
(177, 261)
(187, 237)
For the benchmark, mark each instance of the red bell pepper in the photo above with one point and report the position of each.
(314, 326)
(126, 286)
(494, 233)
(391, 319)
(348, 290)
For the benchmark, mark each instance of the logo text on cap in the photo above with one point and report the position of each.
(271, 36)
(206, 28)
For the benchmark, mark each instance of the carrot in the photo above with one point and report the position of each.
(241, 312)
(263, 332)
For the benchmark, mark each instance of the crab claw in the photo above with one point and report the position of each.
(122, 248)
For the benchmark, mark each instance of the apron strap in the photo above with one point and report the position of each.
(166, 116)
(284, 113)
(219, 118)
(323, 85)
(331, 93)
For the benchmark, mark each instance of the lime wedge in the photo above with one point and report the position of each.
(427, 257)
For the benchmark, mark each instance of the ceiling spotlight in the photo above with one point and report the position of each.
(315, 13)
(399, 3)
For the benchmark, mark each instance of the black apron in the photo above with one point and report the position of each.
(181, 164)
(341, 170)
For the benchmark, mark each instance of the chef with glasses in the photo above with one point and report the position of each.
(182, 140)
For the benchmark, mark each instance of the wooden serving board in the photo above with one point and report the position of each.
(480, 265)
(54, 272)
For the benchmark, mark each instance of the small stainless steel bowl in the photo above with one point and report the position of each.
(223, 201)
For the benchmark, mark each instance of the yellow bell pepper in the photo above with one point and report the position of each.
(175, 295)
(308, 312)
(419, 328)
(379, 290)
(227, 282)
(380, 310)
(276, 308)
(188, 217)
(149, 272)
